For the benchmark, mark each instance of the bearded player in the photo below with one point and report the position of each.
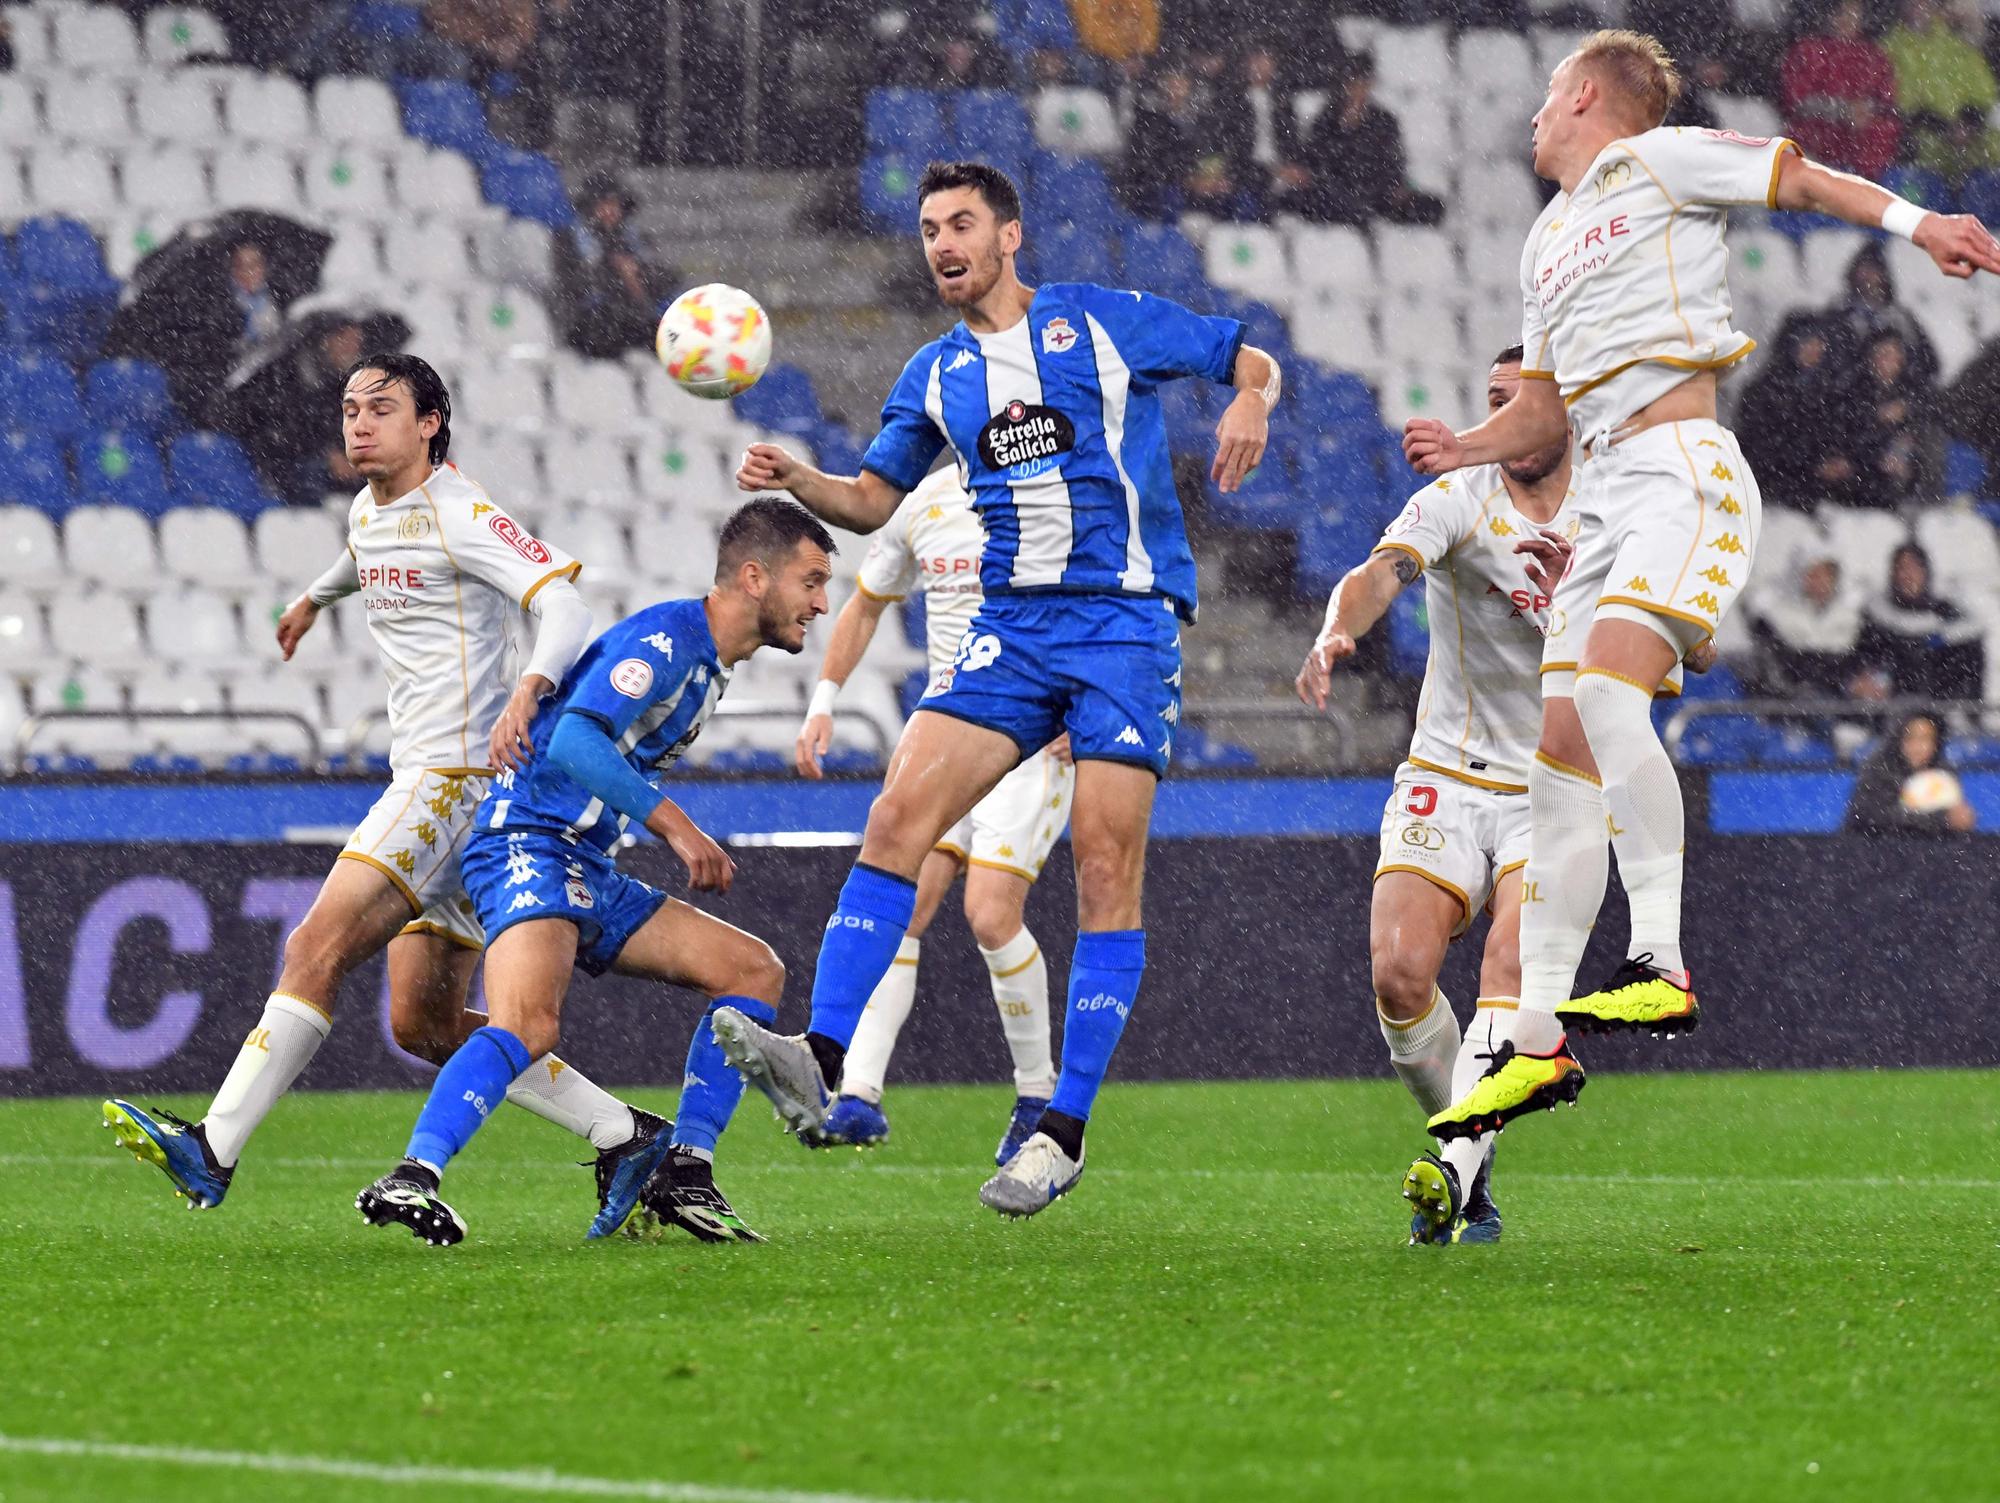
(1627, 329)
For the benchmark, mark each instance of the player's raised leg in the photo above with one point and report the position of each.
(996, 902)
(856, 1118)
(942, 766)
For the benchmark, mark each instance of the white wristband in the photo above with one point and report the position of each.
(1901, 217)
(824, 694)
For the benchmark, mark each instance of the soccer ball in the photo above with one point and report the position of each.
(1932, 791)
(714, 341)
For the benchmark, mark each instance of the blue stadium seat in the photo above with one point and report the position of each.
(1160, 258)
(1964, 469)
(747, 759)
(1970, 753)
(447, 112)
(915, 624)
(34, 473)
(1190, 412)
(122, 469)
(1795, 746)
(992, 127)
(1264, 326)
(1921, 186)
(888, 190)
(1324, 398)
(130, 394)
(38, 393)
(528, 184)
(385, 20)
(912, 689)
(838, 451)
(1068, 254)
(1409, 635)
(1025, 25)
(1195, 750)
(1981, 196)
(212, 469)
(61, 253)
(1268, 500)
(1070, 192)
(61, 296)
(1722, 741)
(908, 121)
(783, 400)
(1720, 682)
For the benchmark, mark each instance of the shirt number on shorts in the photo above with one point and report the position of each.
(1423, 801)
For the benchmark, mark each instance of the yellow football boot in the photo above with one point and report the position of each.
(1638, 997)
(1514, 1083)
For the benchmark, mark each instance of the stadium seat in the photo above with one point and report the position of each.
(347, 182)
(132, 236)
(597, 396)
(170, 179)
(1416, 262)
(530, 185)
(20, 112)
(257, 178)
(130, 394)
(989, 125)
(446, 112)
(888, 182)
(268, 108)
(295, 546)
(1332, 255)
(783, 401)
(508, 466)
(207, 546)
(76, 181)
(111, 546)
(1161, 258)
(1076, 120)
(38, 394)
(94, 36)
(589, 534)
(1920, 186)
(354, 260)
(175, 33)
(514, 251)
(34, 473)
(1267, 500)
(1721, 741)
(420, 251)
(506, 319)
(197, 627)
(30, 557)
(1823, 259)
(1250, 259)
(439, 182)
(508, 395)
(904, 121)
(596, 470)
(1746, 114)
(73, 687)
(360, 110)
(1964, 470)
(1064, 192)
(1027, 25)
(1964, 551)
(178, 106)
(1069, 254)
(28, 35)
(1981, 196)
(88, 109)
(24, 647)
(214, 469)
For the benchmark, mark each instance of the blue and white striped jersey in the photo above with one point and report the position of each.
(1057, 430)
(651, 682)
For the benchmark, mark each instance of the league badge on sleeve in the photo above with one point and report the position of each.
(632, 677)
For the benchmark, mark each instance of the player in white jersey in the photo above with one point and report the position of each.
(933, 543)
(1627, 325)
(446, 577)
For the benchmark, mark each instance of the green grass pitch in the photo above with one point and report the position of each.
(1719, 1287)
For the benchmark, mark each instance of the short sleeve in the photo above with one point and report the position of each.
(1697, 166)
(1159, 340)
(638, 665)
(908, 442)
(1434, 521)
(889, 571)
(491, 547)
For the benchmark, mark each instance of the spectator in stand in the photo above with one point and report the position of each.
(499, 40)
(1970, 409)
(1890, 430)
(1354, 162)
(1174, 161)
(1117, 30)
(249, 284)
(1908, 788)
(1913, 643)
(1870, 308)
(946, 53)
(1944, 88)
(607, 298)
(1809, 626)
(1259, 132)
(289, 421)
(1702, 36)
(1789, 419)
(1838, 90)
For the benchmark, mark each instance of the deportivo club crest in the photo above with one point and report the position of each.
(1057, 336)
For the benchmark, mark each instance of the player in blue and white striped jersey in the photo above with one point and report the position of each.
(538, 867)
(1048, 399)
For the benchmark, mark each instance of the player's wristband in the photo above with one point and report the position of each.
(823, 696)
(1901, 217)
(1273, 387)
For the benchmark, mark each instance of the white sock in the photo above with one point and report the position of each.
(1021, 993)
(1561, 891)
(558, 1092)
(1422, 1051)
(1465, 1155)
(286, 1036)
(882, 1020)
(1642, 793)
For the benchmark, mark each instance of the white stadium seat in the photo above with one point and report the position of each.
(196, 627)
(178, 106)
(30, 556)
(257, 178)
(1746, 116)
(74, 688)
(24, 648)
(509, 318)
(506, 464)
(357, 109)
(20, 112)
(1414, 62)
(172, 179)
(28, 33)
(519, 251)
(353, 260)
(597, 541)
(279, 690)
(88, 108)
(347, 182)
(95, 36)
(111, 546)
(98, 628)
(672, 550)
(208, 546)
(1333, 255)
(594, 395)
(175, 33)
(426, 252)
(435, 321)
(1076, 120)
(1415, 261)
(130, 237)
(1964, 551)
(593, 468)
(509, 395)
(1250, 259)
(1824, 257)
(295, 546)
(440, 182)
(269, 109)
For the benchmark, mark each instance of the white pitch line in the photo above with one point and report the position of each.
(539, 1481)
(954, 1171)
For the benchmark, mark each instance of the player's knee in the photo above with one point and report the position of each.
(1107, 888)
(897, 833)
(1607, 707)
(1403, 983)
(993, 921)
(761, 975)
(315, 960)
(415, 1033)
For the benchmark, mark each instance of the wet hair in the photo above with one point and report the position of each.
(1637, 67)
(1512, 355)
(993, 185)
(427, 390)
(767, 528)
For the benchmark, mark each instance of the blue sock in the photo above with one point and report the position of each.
(1103, 985)
(472, 1083)
(710, 1089)
(861, 942)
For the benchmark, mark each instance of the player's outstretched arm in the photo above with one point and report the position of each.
(583, 749)
(861, 503)
(1959, 243)
(1245, 427)
(1361, 599)
(1533, 420)
(337, 583)
(853, 630)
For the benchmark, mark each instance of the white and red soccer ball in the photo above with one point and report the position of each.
(715, 341)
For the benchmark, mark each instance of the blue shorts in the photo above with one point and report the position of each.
(531, 875)
(1105, 668)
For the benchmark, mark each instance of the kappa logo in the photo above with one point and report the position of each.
(961, 360)
(1728, 543)
(1716, 575)
(1130, 737)
(632, 677)
(661, 643)
(1728, 507)
(1058, 338)
(523, 900)
(1500, 527)
(1639, 585)
(509, 532)
(1708, 603)
(480, 509)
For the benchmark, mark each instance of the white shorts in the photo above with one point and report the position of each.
(1463, 839)
(1671, 518)
(1015, 826)
(412, 836)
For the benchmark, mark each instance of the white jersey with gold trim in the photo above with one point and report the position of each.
(446, 578)
(1480, 715)
(1624, 280)
(931, 543)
